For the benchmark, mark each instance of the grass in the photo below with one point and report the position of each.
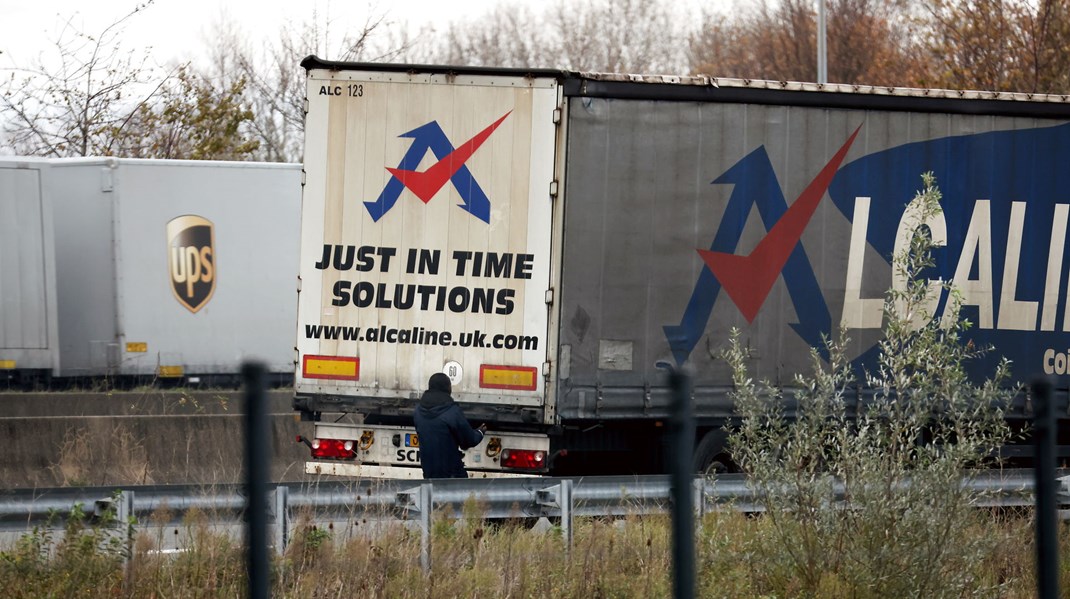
(736, 555)
(99, 453)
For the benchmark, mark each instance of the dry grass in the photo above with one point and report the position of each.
(737, 556)
(102, 452)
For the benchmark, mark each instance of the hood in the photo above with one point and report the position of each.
(439, 382)
(437, 398)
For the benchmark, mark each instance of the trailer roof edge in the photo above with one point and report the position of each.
(703, 88)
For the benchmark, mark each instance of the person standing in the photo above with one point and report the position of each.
(443, 431)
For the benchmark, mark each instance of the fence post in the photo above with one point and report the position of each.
(1047, 524)
(420, 500)
(425, 503)
(282, 519)
(257, 451)
(681, 475)
(123, 514)
(566, 512)
(698, 486)
(559, 496)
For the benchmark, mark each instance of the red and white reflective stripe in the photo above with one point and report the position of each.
(330, 367)
(519, 378)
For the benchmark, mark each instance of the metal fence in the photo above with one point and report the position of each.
(418, 502)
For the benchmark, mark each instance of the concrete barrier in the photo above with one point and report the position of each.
(152, 437)
(133, 403)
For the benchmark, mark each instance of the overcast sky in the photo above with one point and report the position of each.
(176, 28)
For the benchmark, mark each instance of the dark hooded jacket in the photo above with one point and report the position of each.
(443, 429)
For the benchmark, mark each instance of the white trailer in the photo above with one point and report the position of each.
(426, 233)
(554, 240)
(174, 269)
(28, 324)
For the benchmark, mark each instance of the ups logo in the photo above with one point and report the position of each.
(191, 259)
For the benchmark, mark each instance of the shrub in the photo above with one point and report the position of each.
(863, 489)
(84, 561)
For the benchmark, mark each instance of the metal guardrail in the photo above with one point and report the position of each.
(418, 501)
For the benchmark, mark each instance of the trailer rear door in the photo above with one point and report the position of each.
(425, 234)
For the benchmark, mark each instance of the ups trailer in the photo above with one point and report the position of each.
(165, 270)
(551, 240)
(29, 342)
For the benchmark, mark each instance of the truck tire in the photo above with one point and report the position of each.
(711, 454)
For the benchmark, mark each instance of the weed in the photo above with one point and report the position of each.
(626, 558)
(863, 493)
(101, 452)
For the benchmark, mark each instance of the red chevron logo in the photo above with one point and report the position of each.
(749, 279)
(426, 184)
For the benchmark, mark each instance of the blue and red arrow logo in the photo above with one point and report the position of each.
(748, 279)
(1004, 229)
(449, 167)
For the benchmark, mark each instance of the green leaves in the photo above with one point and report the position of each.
(194, 117)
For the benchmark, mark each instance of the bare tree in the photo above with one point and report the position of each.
(1048, 32)
(869, 42)
(979, 43)
(1006, 45)
(998, 45)
(75, 102)
(276, 82)
(874, 42)
(506, 37)
(636, 36)
(621, 36)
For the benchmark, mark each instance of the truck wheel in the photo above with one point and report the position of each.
(711, 454)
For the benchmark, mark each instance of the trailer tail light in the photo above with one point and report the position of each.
(528, 459)
(333, 449)
(330, 367)
(521, 378)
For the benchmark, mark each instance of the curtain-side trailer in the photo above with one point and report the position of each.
(551, 240)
